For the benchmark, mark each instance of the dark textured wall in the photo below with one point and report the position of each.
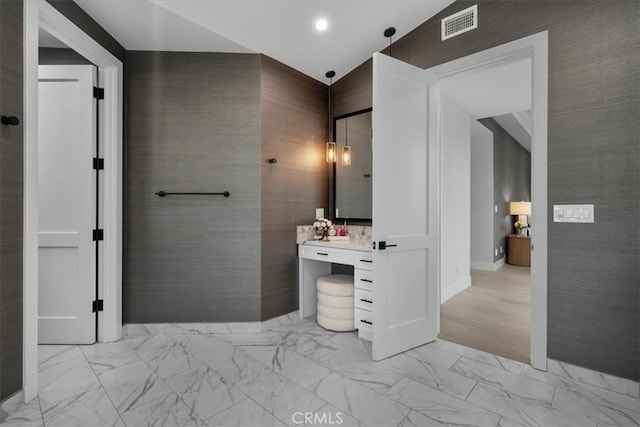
(593, 158)
(193, 126)
(60, 56)
(294, 130)
(86, 23)
(511, 181)
(11, 171)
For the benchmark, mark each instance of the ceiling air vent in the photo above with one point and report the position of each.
(461, 22)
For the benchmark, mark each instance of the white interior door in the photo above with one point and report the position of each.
(67, 205)
(405, 206)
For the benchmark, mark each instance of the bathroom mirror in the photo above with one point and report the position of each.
(352, 183)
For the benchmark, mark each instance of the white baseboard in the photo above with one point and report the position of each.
(453, 289)
(132, 329)
(487, 266)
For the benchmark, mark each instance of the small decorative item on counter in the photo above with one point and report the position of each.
(521, 228)
(332, 231)
(343, 232)
(322, 227)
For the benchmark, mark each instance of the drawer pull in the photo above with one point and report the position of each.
(366, 280)
(366, 260)
(322, 253)
(366, 300)
(366, 321)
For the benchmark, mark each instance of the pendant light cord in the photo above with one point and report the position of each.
(389, 32)
(330, 75)
(346, 132)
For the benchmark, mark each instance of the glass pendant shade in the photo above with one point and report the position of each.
(330, 152)
(346, 155)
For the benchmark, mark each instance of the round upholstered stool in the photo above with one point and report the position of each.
(335, 302)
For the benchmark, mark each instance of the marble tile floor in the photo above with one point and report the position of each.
(301, 374)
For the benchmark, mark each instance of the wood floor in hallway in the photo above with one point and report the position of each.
(493, 314)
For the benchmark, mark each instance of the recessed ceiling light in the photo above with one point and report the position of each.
(321, 24)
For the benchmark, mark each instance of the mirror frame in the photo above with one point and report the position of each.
(335, 180)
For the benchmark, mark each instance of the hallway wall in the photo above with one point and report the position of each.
(511, 182)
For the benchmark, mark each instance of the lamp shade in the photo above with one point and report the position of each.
(520, 208)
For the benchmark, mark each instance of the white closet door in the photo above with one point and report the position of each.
(405, 206)
(67, 203)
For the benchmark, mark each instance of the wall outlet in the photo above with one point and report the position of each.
(495, 208)
(496, 252)
(500, 249)
(319, 213)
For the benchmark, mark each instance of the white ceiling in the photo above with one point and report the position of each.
(492, 91)
(518, 125)
(283, 29)
(502, 92)
(45, 39)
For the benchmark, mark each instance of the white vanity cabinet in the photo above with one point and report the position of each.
(363, 295)
(314, 261)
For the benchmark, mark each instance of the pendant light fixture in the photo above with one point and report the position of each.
(346, 150)
(389, 32)
(330, 150)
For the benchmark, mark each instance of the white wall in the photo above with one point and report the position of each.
(482, 203)
(456, 199)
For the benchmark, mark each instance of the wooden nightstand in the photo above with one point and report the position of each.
(519, 250)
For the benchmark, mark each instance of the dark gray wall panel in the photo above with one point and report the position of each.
(593, 156)
(511, 182)
(193, 126)
(294, 129)
(11, 197)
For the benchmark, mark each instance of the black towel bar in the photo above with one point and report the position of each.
(163, 194)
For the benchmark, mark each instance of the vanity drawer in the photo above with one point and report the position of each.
(363, 319)
(364, 261)
(363, 299)
(339, 256)
(363, 279)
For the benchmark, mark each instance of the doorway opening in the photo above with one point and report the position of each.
(491, 299)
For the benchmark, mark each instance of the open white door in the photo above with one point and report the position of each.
(67, 205)
(405, 206)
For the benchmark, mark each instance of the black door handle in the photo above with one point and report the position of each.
(382, 245)
(10, 120)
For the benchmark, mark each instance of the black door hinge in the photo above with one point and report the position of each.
(98, 164)
(98, 92)
(98, 305)
(98, 235)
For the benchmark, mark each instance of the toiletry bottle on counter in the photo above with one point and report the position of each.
(343, 231)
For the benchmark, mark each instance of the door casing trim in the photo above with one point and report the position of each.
(535, 47)
(39, 13)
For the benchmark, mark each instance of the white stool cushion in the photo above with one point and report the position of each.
(335, 313)
(335, 302)
(335, 325)
(336, 285)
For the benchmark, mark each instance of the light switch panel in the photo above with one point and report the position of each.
(573, 213)
(319, 213)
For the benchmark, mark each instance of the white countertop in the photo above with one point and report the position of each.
(356, 245)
